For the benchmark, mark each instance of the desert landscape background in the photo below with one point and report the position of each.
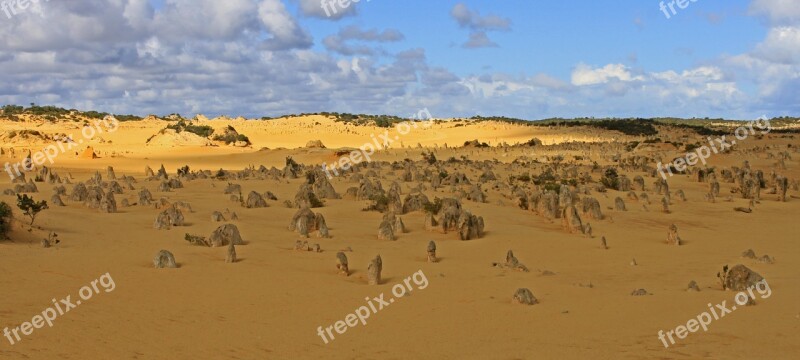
(270, 302)
(376, 180)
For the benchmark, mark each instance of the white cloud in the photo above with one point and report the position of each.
(478, 25)
(315, 8)
(586, 75)
(339, 42)
(782, 45)
(472, 20)
(253, 57)
(777, 11)
(286, 33)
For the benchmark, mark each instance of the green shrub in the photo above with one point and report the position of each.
(380, 203)
(430, 158)
(610, 179)
(476, 143)
(533, 142)
(30, 207)
(12, 110)
(231, 137)
(200, 130)
(544, 178)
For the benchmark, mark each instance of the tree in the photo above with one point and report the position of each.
(30, 207)
(5, 219)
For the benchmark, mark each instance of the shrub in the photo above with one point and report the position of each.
(381, 203)
(631, 145)
(430, 158)
(570, 182)
(200, 130)
(476, 143)
(691, 147)
(230, 138)
(634, 127)
(12, 109)
(700, 130)
(544, 178)
(610, 179)
(533, 142)
(30, 207)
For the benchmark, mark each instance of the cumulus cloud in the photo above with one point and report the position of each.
(478, 25)
(479, 39)
(779, 12)
(472, 20)
(285, 32)
(338, 42)
(254, 58)
(773, 66)
(317, 9)
(782, 45)
(586, 75)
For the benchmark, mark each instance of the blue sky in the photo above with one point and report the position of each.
(553, 36)
(529, 59)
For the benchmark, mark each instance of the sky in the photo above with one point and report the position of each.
(530, 59)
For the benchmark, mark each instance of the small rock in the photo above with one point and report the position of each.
(164, 260)
(432, 252)
(749, 254)
(341, 264)
(231, 258)
(693, 286)
(374, 271)
(525, 297)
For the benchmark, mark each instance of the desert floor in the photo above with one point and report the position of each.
(270, 303)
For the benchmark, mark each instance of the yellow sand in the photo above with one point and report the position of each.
(270, 303)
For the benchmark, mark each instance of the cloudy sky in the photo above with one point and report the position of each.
(530, 59)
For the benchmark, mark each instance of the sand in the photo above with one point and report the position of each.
(269, 304)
